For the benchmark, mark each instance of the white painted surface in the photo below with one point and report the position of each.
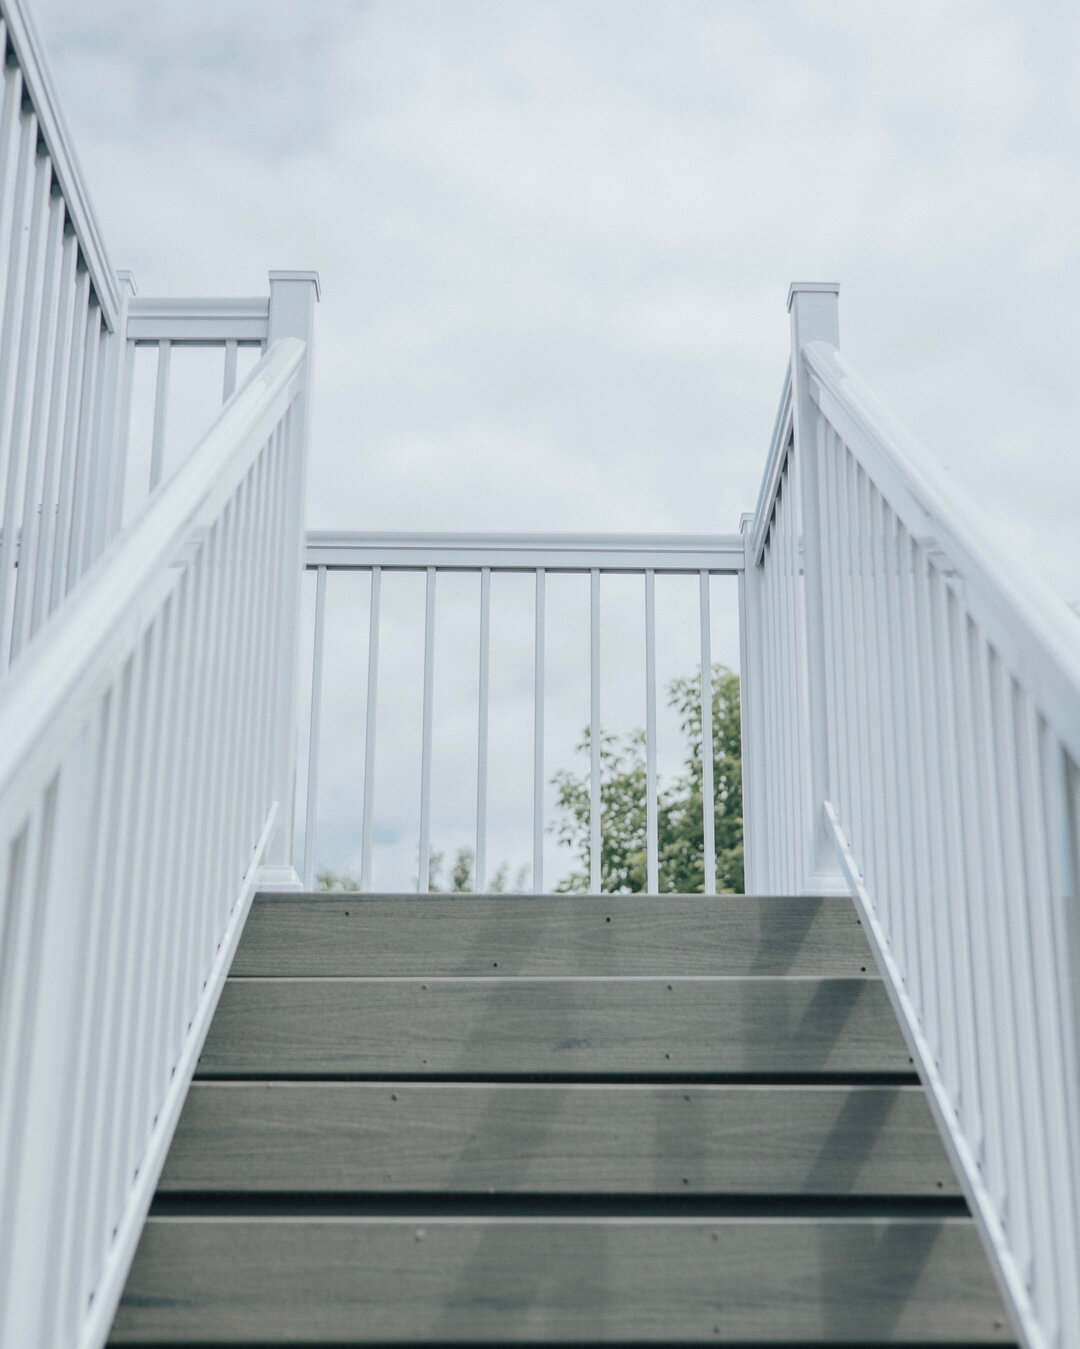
(594, 557)
(137, 799)
(947, 780)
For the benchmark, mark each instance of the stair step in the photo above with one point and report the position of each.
(562, 1028)
(540, 935)
(410, 1138)
(556, 1120)
(455, 1281)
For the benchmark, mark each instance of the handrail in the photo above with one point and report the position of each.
(140, 784)
(686, 553)
(947, 682)
(1024, 618)
(198, 321)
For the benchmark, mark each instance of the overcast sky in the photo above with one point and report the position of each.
(555, 238)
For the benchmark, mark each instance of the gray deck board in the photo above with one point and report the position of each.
(447, 1281)
(345, 934)
(388, 1138)
(553, 1027)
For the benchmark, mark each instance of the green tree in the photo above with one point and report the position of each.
(680, 816)
(336, 881)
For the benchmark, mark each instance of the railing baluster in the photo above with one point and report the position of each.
(37, 442)
(13, 251)
(85, 462)
(109, 449)
(18, 320)
(708, 799)
(1049, 1050)
(368, 818)
(595, 842)
(229, 381)
(483, 697)
(85, 319)
(10, 127)
(788, 611)
(58, 402)
(122, 420)
(538, 739)
(161, 409)
(313, 731)
(1061, 802)
(423, 880)
(67, 1295)
(1008, 997)
(652, 848)
(163, 879)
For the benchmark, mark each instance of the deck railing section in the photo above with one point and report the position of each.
(144, 780)
(948, 690)
(61, 319)
(591, 556)
(171, 326)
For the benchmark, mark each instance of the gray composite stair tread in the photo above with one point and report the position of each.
(349, 934)
(408, 1137)
(562, 1120)
(524, 1027)
(453, 1280)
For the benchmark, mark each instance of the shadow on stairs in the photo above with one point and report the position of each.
(556, 1120)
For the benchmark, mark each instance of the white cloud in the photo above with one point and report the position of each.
(555, 238)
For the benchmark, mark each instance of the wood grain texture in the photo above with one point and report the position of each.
(397, 1138)
(453, 1281)
(527, 1027)
(542, 935)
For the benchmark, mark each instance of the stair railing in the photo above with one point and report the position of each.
(145, 779)
(487, 556)
(61, 324)
(171, 327)
(934, 693)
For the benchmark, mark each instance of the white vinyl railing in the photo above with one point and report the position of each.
(69, 331)
(938, 694)
(172, 326)
(591, 556)
(145, 777)
(61, 316)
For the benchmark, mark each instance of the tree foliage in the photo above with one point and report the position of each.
(680, 821)
(680, 816)
(460, 880)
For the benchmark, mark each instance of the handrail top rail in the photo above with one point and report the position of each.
(198, 319)
(48, 691)
(570, 552)
(1027, 623)
(29, 49)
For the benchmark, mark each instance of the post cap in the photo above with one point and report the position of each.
(818, 287)
(298, 276)
(127, 278)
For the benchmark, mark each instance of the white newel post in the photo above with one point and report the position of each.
(813, 306)
(293, 296)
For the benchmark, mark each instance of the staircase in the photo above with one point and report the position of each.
(556, 1119)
